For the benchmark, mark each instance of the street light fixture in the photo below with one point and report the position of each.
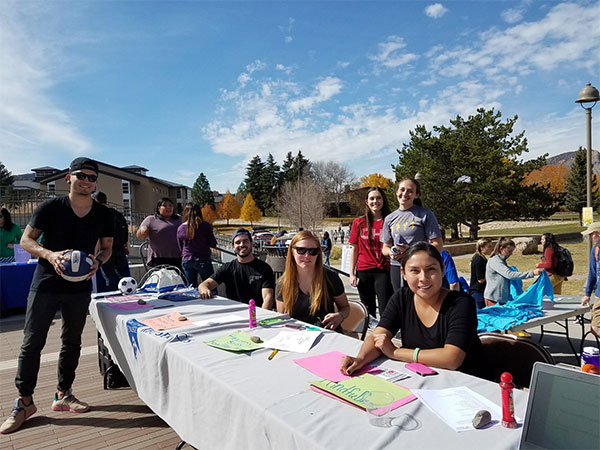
(589, 94)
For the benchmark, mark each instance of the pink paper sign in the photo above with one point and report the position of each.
(127, 306)
(167, 321)
(327, 366)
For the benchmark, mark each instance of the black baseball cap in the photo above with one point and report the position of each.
(83, 163)
(239, 232)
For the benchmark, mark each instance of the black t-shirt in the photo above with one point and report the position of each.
(301, 310)
(63, 230)
(478, 264)
(245, 281)
(456, 325)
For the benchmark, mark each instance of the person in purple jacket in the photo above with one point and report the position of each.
(195, 238)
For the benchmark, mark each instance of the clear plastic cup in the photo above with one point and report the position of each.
(378, 405)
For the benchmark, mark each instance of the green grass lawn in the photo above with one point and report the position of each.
(555, 229)
(575, 284)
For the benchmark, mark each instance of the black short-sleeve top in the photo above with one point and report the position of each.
(456, 325)
(301, 310)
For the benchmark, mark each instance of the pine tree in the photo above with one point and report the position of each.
(472, 172)
(228, 208)
(270, 183)
(202, 193)
(240, 194)
(576, 185)
(250, 212)
(6, 178)
(254, 181)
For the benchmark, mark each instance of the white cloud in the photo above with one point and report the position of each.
(390, 55)
(512, 15)
(343, 64)
(544, 45)
(245, 77)
(286, 69)
(287, 30)
(31, 122)
(324, 90)
(436, 10)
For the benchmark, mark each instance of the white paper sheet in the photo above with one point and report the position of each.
(221, 320)
(457, 406)
(293, 341)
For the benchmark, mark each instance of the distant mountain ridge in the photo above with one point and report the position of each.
(567, 158)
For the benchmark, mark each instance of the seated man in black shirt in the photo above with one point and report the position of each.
(246, 278)
(438, 326)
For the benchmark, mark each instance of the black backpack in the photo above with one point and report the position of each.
(564, 266)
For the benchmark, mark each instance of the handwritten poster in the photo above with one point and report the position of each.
(293, 341)
(357, 390)
(235, 342)
(167, 321)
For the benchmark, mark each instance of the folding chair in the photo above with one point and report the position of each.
(357, 321)
(513, 354)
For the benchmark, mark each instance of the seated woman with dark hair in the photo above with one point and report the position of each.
(307, 291)
(438, 326)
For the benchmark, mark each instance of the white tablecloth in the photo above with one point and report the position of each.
(216, 399)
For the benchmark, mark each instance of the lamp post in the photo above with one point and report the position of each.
(589, 94)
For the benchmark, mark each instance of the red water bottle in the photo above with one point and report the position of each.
(508, 406)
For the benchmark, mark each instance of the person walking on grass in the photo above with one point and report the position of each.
(73, 221)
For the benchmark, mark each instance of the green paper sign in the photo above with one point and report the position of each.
(234, 342)
(356, 390)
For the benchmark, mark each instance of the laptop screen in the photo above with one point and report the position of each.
(564, 412)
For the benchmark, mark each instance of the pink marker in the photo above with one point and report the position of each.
(252, 313)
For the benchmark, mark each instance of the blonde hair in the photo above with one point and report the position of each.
(481, 243)
(319, 295)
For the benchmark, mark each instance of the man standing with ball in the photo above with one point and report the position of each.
(69, 222)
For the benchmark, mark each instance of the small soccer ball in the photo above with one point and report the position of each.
(127, 285)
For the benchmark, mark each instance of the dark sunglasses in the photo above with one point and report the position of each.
(311, 251)
(83, 176)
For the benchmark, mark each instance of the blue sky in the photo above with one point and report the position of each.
(192, 86)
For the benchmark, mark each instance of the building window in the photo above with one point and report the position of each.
(52, 189)
(178, 192)
(125, 187)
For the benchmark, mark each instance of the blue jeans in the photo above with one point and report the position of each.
(194, 267)
(326, 262)
(479, 301)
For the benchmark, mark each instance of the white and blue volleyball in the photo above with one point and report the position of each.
(127, 285)
(77, 266)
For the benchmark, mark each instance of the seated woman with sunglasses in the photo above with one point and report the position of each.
(438, 326)
(307, 291)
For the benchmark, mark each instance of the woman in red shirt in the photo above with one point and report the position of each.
(550, 261)
(369, 269)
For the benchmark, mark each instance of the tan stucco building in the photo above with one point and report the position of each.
(127, 188)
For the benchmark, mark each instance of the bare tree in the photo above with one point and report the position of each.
(302, 203)
(335, 179)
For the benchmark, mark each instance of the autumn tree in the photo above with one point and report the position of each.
(551, 176)
(228, 208)
(208, 213)
(250, 212)
(576, 185)
(375, 179)
(472, 171)
(201, 192)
